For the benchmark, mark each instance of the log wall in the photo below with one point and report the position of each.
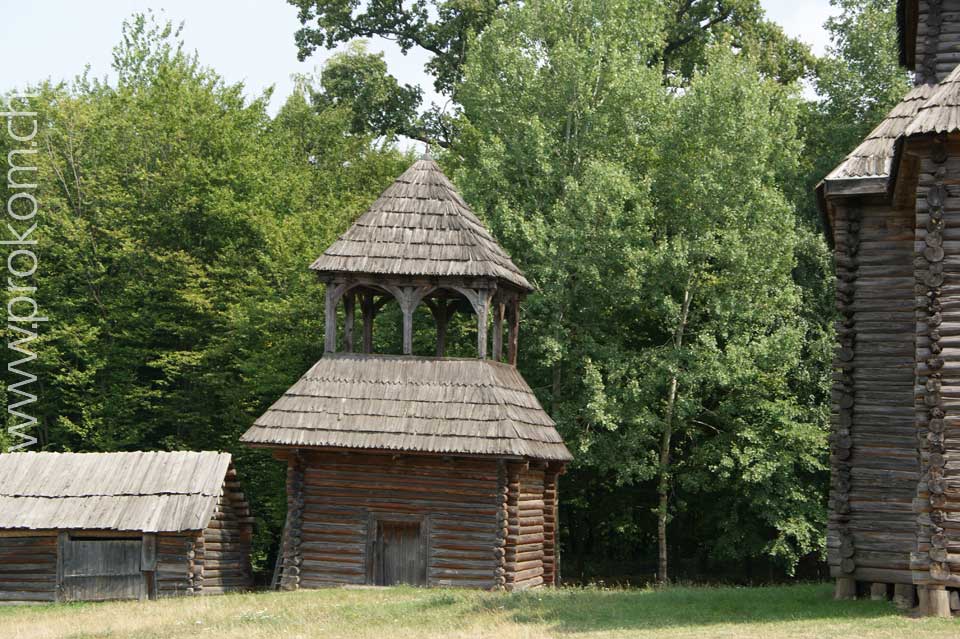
(227, 542)
(28, 568)
(179, 564)
(484, 519)
(936, 560)
(873, 443)
(938, 39)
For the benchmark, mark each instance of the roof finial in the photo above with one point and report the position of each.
(426, 151)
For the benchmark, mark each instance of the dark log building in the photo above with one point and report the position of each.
(421, 470)
(101, 526)
(893, 209)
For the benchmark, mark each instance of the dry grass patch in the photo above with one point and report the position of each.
(744, 613)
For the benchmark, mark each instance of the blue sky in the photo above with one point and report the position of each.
(244, 40)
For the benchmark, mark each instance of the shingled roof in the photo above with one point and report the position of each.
(418, 404)
(420, 226)
(940, 113)
(148, 492)
(874, 157)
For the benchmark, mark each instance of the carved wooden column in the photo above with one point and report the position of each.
(349, 319)
(931, 557)
(330, 319)
(513, 321)
(499, 308)
(847, 246)
(292, 554)
(482, 308)
(368, 311)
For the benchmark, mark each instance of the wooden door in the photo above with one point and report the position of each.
(102, 569)
(398, 557)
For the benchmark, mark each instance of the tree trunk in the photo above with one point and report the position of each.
(663, 480)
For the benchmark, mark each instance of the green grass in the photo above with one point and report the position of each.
(764, 613)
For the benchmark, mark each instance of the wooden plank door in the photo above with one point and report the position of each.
(102, 569)
(398, 556)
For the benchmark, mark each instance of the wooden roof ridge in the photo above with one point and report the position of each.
(393, 236)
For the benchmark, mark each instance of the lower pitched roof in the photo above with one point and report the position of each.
(148, 492)
(416, 404)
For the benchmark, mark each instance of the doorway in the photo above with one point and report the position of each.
(399, 553)
(101, 569)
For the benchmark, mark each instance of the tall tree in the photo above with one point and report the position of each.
(688, 28)
(665, 336)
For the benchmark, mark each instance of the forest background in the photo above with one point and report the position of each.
(649, 164)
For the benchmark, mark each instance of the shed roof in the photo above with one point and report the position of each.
(420, 226)
(417, 404)
(148, 492)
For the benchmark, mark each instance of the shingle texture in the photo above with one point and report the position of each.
(149, 492)
(406, 403)
(874, 156)
(939, 113)
(420, 226)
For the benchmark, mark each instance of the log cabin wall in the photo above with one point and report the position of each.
(179, 564)
(525, 546)
(483, 520)
(938, 364)
(28, 568)
(938, 36)
(227, 542)
(873, 445)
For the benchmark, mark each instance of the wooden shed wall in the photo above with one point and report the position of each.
(872, 528)
(335, 498)
(227, 542)
(28, 568)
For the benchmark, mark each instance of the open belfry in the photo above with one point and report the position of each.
(423, 470)
(893, 208)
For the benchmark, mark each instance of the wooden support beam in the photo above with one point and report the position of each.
(349, 319)
(938, 602)
(878, 592)
(904, 595)
(846, 588)
(330, 320)
(368, 312)
(514, 330)
(483, 318)
(499, 309)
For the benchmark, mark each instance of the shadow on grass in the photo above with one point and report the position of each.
(582, 610)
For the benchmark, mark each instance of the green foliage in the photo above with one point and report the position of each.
(618, 197)
(178, 224)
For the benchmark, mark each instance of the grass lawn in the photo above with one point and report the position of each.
(764, 613)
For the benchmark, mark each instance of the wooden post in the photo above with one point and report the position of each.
(514, 330)
(349, 319)
(498, 311)
(938, 601)
(330, 320)
(405, 297)
(904, 595)
(441, 313)
(483, 317)
(878, 592)
(923, 600)
(846, 588)
(368, 313)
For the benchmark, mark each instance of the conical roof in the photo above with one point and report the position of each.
(420, 226)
